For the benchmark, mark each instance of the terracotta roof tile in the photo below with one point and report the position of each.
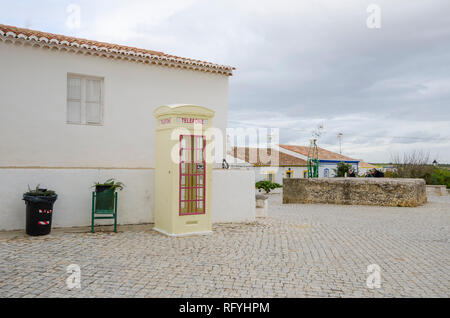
(39, 36)
(262, 157)
(323, 154)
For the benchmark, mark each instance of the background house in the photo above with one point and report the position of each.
(328, 160)
(268, 164)
(75, 111)
(287, 161)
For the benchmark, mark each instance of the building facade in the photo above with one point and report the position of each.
(328, 160)
(74, 112)
(269, 164)
(287, 161)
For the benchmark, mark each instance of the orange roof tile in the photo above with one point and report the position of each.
(363, 164)
(262, 157)
(323, 154)
(7, 31)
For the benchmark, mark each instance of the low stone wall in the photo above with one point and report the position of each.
(438, 190)
(364, 191)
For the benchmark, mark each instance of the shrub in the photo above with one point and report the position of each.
(389, 174)
(111, 183)
(440, 176)
(267, 186)
(416, 165)
(38, 192)
(342, 169)
(413, 165)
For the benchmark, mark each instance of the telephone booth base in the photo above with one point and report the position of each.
(182, 234)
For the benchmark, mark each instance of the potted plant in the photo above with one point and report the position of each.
(104, 194)
(267, 185)
(39, 210)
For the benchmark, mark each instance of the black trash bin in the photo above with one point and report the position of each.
(39, 213)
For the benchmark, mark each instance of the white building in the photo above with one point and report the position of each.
(328, 160)
(269, 164)
(287, 161)
(73, 112)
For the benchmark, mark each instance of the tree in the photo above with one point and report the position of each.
(341, 169)
(415, 164)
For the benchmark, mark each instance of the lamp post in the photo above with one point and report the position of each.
(340, 135)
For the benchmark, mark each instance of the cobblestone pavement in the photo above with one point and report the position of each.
(298, 251)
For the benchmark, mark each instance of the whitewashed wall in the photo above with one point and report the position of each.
(331, 167)
(233, 195)
(33, 128)
(280, 173)
(70, 158)
(73, 186)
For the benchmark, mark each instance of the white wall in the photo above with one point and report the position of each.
(73, 186)
(70, 158)
(233, 195)
(331, 166)
(280, 173)
(33, 129)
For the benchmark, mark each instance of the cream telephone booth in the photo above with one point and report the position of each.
(183, 170)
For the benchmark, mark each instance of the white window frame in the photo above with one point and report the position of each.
(83, 107)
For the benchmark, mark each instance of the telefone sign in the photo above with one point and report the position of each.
(187, 120)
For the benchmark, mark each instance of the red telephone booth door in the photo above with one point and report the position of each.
(192, 174)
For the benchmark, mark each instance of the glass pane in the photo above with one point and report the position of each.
(198, 156)
(199, 180)
(93, 113)
(93, 92)
(74, 88)
(184, 194)
(199, 142)
(184, 207)
(188, 155)
(73, 112)
(186, 142)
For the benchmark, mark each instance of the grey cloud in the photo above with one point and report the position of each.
(301, 62)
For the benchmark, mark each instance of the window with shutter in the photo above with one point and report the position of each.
(74, 100)
(84, 100)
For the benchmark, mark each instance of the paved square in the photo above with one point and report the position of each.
(298, 251)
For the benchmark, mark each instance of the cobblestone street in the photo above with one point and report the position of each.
(298, 251)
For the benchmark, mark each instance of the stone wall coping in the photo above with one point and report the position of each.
(366, 180)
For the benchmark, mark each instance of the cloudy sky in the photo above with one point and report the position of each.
(299, 63)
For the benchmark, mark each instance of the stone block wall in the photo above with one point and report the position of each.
(364, 191)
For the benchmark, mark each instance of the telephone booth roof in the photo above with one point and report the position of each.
(183, 109)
